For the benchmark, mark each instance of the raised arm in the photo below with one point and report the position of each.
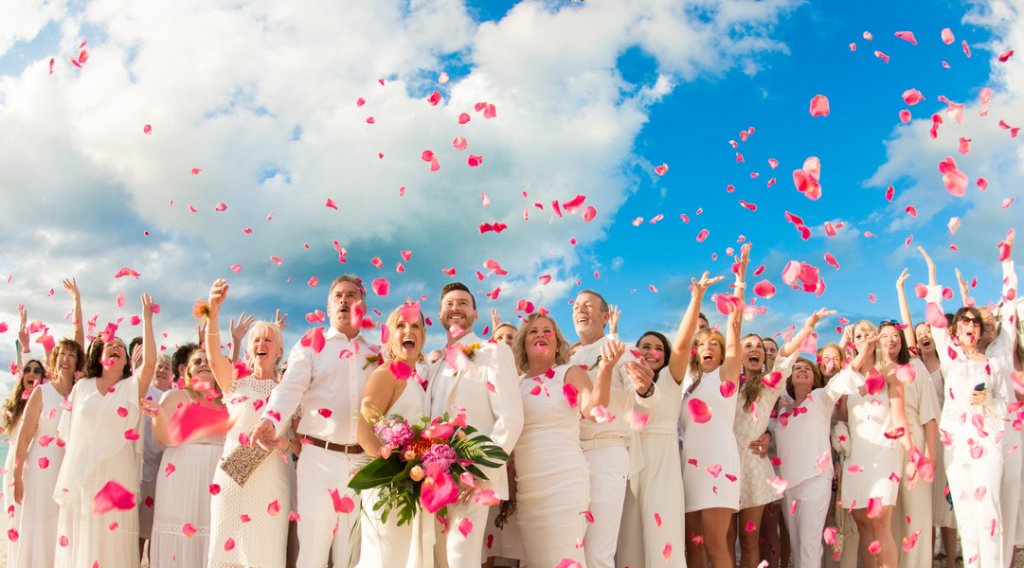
(932, 281)
(77, 320)
(793, 345)
(731, 365)
(965, 292)
(238, 333)
(221, 366)
(149, 355)
(614, 313)
(682, 344)
(908, 321)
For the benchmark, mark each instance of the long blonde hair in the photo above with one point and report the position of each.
(394, 343)
(701, 337)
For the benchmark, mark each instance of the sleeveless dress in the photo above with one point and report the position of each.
(651, 532)
(387, 544)
(942, 503)
(183, 498)
(552, 476)
(874, 458)
(711, 459)
(37, 527)
(262, 541)
(97, 427)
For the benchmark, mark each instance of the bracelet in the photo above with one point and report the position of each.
(740, 285)
(648, 393)
(214, 332)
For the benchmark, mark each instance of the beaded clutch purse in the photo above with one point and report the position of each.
(242, 461)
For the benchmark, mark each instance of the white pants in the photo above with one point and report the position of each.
(1009, 493)
(453, 550)
(975, 485)
(322, 531)
(915, 504)
(609, 471)
(807, 524)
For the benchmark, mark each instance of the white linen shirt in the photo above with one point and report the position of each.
(328, 386)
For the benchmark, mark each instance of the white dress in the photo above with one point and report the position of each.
(751, 423)
(552, 476)
(97, 452)
(942, 503)
(183, 497)
(11, 509)
(711, 459)
(262, 541)
(873, 466)
(37, 527)
(387, 544)
(651, 533)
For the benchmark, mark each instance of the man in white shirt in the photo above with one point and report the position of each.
(606, 445)
(487, 391)
(328, 387)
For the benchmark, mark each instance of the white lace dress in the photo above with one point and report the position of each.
(260, 542)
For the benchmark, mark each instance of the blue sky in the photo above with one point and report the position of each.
(590, 97)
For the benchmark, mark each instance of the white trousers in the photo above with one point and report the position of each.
(1010, 493)
(322, 531)
(453, 550)
(609, 471)
(975, 485)
(915, 504)
(807, 524)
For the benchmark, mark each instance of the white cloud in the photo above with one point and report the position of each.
(262, 98)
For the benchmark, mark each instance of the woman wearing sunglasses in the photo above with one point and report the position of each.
(971, 426)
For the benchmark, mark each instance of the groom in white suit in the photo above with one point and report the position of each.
(487, 391)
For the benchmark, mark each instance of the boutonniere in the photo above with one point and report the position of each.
(469, 350)
(373, 359)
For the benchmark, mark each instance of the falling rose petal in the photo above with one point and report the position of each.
(912, 96)
(273, 508)
(568, 563)
(434, 98)
(147, 129)
(342, 503)
(911, 210)
(589, 213)
(112, 496)
(882, 56)
(778, 484)
(474, 160)
(1007, 202)
(831, 260)
(910, 541)
(727, 389)
(52, 63)
(661, 170)
(464, 118)
(874, 382)
(459, 143)
(905, 116)
(381, 286)
(400, 369)
(196, 171)
(750, 206)
(819, 106)
(698, 410)
(954, 179)
(194, 420)
(985, 95)
(764, 289)
(702, 235)
(890, 192)
(906, 373)
(875, 547)
(907, 37)
(188, 529)
(771, 380)
(1005, 56)
(127, 272)
(791, 272)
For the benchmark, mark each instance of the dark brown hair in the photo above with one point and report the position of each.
(457, 287)
(94, 363)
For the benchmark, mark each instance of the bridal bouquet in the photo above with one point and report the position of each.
(429, 464)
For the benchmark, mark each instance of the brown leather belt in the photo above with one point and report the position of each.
(343, 448)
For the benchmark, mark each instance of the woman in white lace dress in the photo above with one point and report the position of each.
(249, 525)
(181, 515)
(760, 389)
(385, 543)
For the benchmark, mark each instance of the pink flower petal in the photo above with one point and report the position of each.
(764, 289)
(907, 37)
(111, 496)
(698, 410)
(819, 106)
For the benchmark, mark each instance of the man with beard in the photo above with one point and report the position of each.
(486, 389)
(606, 443)
(327, 384)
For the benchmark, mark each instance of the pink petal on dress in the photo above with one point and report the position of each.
(111, 496)
(698, 410)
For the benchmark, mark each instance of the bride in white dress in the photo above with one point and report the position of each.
(385, 543)
(552, 479)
